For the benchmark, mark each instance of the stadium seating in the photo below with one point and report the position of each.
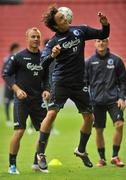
(16, 19)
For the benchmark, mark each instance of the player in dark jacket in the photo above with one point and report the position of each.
(106, 76)
(29, 81)
(8, 93)
(67, 49)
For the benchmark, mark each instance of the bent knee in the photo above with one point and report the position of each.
(99, 130)
(19, 133)
(51, 114)
(119, 124)
(89, 117)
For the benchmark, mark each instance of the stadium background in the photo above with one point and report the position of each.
(16, 19)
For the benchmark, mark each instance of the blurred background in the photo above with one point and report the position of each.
(16, 16)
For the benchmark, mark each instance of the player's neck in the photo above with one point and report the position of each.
(102, 53)
(33, 50)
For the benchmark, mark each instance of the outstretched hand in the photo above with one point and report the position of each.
(103, 19)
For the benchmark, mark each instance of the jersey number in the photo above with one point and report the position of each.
(75, 49)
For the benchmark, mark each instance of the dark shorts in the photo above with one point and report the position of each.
(80, 97)
(23, 109)
(100, 113)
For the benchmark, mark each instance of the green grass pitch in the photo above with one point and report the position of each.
(61, 147)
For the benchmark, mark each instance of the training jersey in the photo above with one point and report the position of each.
(24, 70)
(106, 76)
(8, 92)
(69, 64)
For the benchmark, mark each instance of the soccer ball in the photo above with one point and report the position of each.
(67, 13)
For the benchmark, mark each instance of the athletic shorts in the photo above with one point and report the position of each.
(60, 94)
(24, 108)
(100, 113)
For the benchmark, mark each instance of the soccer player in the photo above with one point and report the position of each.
(29, 81)
(66, 48)
(8, 93)
(107, 80)
(54, 131)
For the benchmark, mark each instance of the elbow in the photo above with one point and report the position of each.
(106, 35)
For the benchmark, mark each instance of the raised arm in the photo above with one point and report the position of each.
(92, 33)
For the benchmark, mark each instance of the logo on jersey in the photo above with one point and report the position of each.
(110, 61)
(71, 43)
(34, 67)
(96, 62)
(35, 73)
(110, 64)
(27, 58)
(76, 32)
(12, 57)
(85, 89)
(61, 39)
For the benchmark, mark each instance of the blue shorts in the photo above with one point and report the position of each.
(80, 96)
(100, 113)
(25, 108)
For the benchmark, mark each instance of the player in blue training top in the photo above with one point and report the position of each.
(29, 81)
(66, 48)
(106, 76)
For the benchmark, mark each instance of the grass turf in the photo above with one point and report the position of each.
(61, 147)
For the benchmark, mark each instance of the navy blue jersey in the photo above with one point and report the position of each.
(24, 70)
(69, 64)
(8, 92)
(107, 78)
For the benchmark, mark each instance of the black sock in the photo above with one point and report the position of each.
(116, 149)
(83, 141)
(12, 159)
(42, 142)
(101, 152)
(35, 158)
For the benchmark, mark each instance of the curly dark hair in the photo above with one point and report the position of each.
(48, 18)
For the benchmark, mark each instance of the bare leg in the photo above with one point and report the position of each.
(14, 148)
(48, 121)
(117, 137)
(15, 141)
(87, 123)
(100, 138)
